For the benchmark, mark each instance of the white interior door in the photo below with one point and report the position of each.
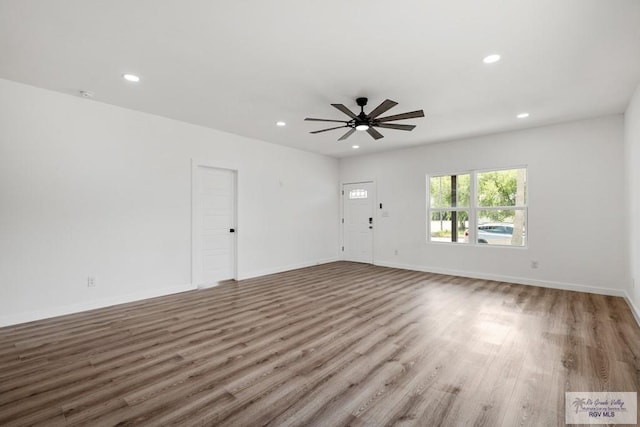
(357, 221)
(214, 236)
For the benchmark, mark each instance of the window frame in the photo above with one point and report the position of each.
(474, 207)
(456, 208)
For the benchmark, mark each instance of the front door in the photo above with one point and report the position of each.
(357, 221)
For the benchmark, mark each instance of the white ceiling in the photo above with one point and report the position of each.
(241, 66)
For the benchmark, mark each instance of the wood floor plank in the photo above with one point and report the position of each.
(336, 344)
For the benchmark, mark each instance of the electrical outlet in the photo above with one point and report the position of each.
(91, 281)
(534, 264)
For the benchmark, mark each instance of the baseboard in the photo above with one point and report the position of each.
(15, 319)
(76, 308)
(511, 279)
(283, 268)
(633, 307)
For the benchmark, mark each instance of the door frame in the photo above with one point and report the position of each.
(195, 212)
(375, 216)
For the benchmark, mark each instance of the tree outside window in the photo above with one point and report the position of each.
(499, 207)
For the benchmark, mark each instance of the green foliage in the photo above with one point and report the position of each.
(495, 189)
(447, 233)
(440, 190)
(498, 188)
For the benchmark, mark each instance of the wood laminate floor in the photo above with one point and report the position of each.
(333, 345)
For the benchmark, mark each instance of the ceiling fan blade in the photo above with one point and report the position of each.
(345, 110)
(403, 116)
(309, 119)
(394, 126)
(387, 104)
(347, 135)
(324, 130)
(374, 133)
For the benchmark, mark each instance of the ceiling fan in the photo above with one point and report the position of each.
(369, 121)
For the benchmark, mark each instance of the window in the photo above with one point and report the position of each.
(501, 207)
(495, 201)
(358, 194)
(449, 203)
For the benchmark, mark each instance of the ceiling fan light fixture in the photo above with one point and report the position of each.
(362, 127)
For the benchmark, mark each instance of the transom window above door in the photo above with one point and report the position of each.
(358, 194)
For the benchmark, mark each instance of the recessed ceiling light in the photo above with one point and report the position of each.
(355, 147)
(131, 78)
(491, 59)
(281, 124)
(522, 115)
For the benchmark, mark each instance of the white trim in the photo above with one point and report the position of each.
(195, 164)
(123, 299)
(634, 310)
(511, 279)
(91, 305)
(360, 181)
(284, 268)
(194, 221)
(212, 163)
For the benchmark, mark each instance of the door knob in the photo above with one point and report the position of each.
(232, 230)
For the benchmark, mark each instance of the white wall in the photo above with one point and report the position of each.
(92, 189)
(576, 221)
(632, 168)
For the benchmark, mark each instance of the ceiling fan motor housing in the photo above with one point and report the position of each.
(362, 119)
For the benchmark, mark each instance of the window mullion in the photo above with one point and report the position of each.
(473, 203)
(454, 205)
